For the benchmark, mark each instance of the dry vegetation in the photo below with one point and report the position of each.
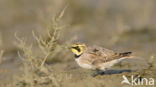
(35, 72)
(1, 51)
(40, 56)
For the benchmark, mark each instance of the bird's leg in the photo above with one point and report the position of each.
(98, 72)
(94, 74)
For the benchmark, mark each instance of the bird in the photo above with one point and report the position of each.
(97, 58)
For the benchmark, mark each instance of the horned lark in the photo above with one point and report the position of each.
(97, 58)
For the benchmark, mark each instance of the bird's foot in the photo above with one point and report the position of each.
(98, 73)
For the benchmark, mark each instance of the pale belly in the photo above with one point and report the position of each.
(102, 66)
(108, 65)
(83, 65)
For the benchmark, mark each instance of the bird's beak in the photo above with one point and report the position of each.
(71, 47)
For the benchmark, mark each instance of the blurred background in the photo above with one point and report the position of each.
(122, 25)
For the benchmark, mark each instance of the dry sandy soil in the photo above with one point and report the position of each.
(115, 24)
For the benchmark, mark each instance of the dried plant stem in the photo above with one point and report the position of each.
(35, 71)
(1, 54)
(45, 58)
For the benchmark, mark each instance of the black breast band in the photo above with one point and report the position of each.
(76, 56)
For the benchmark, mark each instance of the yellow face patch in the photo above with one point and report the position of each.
(78, 49)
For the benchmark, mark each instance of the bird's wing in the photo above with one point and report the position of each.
(101, 55)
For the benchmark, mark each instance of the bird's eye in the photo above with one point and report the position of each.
(77, 48)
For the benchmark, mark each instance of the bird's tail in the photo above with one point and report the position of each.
(125, 54)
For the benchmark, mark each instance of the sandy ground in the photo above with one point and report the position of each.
(114, 24)
(73, 75)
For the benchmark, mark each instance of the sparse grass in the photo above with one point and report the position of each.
(47, 62)
(1, 54)
(35, 72)
(1, 51)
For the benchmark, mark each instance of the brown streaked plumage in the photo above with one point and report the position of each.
(97, 58)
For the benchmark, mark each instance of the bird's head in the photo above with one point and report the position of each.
(78, 49)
